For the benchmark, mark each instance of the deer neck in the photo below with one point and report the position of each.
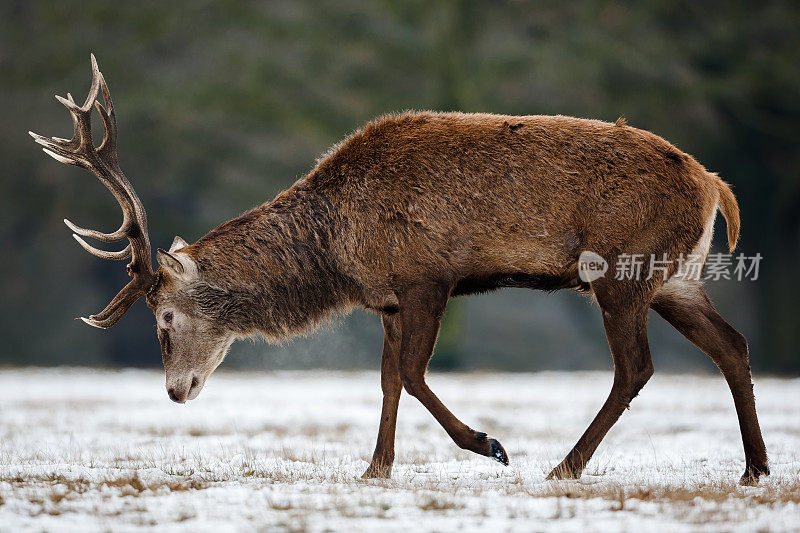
(272, 272)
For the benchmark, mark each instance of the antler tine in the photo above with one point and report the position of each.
(74, 123)
(103, 254)
(95, 90)
(107, 96)
(117, 307)
(102, 161)
(58, 149)
(69, 103)
(116, 236)
(109, 145)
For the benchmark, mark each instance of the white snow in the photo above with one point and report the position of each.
(88, 450)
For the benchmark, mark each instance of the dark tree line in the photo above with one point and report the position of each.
(223, 104)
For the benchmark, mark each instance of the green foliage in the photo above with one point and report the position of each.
(223, 104)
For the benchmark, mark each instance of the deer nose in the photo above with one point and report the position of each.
(174, 397)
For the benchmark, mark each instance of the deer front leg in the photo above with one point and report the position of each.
(392, 386)
(420, 314)
(626, 330)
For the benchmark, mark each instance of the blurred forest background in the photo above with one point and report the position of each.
(221, 105)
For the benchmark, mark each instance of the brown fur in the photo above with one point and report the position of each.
(465, 201)
(418, 207)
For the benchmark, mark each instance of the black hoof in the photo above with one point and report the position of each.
(498, 453)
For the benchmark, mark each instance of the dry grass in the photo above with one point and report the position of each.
(437, 490)
(438, 503)
(128, 483)
(767, 493)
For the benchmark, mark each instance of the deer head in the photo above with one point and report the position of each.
(192, 346)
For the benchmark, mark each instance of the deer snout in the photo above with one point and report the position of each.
(181, 390)
(196, 387)
(175, 397)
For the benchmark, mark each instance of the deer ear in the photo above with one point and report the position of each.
(177, 264)
(169, 262)
(177, 244)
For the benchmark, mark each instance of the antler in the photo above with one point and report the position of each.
(102, 161)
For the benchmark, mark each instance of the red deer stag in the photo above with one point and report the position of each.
(419, 207)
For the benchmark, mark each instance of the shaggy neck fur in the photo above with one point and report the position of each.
(272, 271)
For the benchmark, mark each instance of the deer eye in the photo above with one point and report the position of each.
(168, 318)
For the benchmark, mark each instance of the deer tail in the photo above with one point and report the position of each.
(730, 210)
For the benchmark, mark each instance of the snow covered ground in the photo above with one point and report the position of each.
(87, 450)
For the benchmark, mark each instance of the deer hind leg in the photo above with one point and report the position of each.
(421, 312)
(392, 386)
(687, 307)
(625, 323)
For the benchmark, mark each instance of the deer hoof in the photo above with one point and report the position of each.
(378, 472)
(752, 473)
(497, 452)
(563, 471)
